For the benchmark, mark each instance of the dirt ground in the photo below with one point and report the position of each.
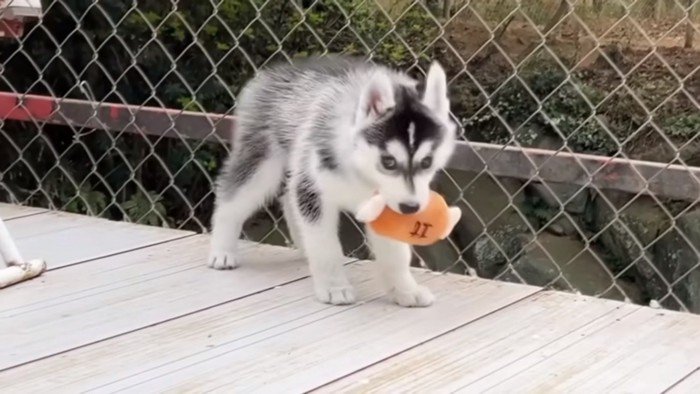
(662, 74)
(571, 39)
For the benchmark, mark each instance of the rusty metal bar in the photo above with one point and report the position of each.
(116, 117)
(634, 176)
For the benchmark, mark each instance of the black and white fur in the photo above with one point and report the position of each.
(334, 130)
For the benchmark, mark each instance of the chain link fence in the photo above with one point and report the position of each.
(582, 120)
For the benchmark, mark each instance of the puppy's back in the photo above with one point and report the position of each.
(316, 92)
(283, 97)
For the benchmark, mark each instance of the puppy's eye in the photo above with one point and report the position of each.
(426, 162)
(389, 163)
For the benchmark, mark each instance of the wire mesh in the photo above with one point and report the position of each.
(617, 79)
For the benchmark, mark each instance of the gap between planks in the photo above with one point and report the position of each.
(689, 384)
(11, 211)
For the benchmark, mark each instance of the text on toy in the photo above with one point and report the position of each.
(420, 229)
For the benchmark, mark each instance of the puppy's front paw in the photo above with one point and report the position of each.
(336, 295)
(222, 260)
(418, 296)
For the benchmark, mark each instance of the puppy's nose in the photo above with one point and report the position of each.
(408, 207)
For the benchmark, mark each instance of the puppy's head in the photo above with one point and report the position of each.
(404, 138)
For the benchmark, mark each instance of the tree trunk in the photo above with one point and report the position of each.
(598, 6)
(561, 12)
(447, 8)
(689, 30)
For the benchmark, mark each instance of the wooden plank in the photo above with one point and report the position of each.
(280, 338)
(483, 347)
(689, 384)
(11, 211)
(304, 354)
(177, 285)
(646, 351)
(64, 239)
(615, 173)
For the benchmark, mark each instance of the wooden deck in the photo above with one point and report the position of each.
(134, 309)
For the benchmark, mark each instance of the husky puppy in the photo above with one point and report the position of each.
(332, 131)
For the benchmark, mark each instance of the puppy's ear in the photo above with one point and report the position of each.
(376, 98)
(435, 96)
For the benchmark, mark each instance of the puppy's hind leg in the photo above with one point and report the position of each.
(251, 176)
(317, 221)
(292, 221)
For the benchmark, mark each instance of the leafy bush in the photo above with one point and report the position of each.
(543, 100)
(586, 118)
(682, 126)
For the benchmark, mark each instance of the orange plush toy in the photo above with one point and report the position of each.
(427, 227)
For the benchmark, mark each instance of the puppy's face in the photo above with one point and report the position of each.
(405, 139)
